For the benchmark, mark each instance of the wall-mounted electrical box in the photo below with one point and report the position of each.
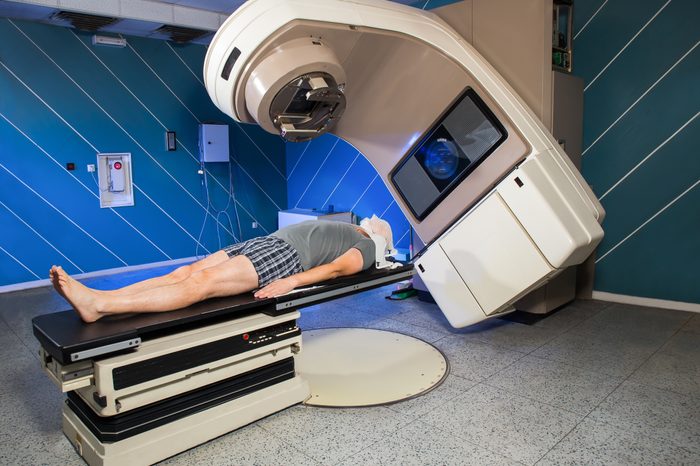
(213, 143)
(114, 179)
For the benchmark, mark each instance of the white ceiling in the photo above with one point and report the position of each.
(219, 6)
(138, 17)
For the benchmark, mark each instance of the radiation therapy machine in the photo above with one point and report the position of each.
(499, 205)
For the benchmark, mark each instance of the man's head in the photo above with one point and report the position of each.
(376, 226)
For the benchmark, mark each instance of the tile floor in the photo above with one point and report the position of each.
(595, 383)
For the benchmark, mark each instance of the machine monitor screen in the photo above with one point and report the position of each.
(461, 139)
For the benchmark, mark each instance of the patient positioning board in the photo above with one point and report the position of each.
(499, 205)
(142, 388)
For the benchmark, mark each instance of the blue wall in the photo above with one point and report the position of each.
(63, 100)
(641, 65)
(328, 171)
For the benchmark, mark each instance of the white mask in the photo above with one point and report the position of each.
(379, 227)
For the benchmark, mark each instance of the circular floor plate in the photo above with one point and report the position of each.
(351, 367)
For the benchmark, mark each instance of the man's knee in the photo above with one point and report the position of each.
(202, 284)
(181, 273)
(235, 276)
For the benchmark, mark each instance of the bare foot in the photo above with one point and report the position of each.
(53, 276)
(84, 300)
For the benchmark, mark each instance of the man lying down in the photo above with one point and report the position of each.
(297, 255)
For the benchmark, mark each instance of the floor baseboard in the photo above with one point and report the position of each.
(650, 302)
(98, 273)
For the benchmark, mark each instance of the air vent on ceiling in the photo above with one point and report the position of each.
(84, 22)
(179, 34)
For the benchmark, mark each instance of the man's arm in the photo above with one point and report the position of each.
(347, 264)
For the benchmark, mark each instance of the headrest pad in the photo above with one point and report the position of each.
(378, 226)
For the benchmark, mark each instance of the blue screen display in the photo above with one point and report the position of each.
(461, 139)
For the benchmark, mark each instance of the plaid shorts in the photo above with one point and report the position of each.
(272, 257)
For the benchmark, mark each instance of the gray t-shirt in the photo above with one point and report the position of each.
(320, 242)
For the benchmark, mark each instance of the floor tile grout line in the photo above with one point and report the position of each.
(560, 440)
(426, 327)
(379, 440)
(588, 369)
(420, 414)
(559, 334)
(658, 351)
(21, 340)
(543, 358)
(280, 439)
(468, 440)
(585, 417)
(419, 421)
(625, 379)
(383, 437)
(513, 392)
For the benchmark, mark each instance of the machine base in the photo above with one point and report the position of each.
(173, 438)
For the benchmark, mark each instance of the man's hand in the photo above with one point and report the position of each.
(276, 288)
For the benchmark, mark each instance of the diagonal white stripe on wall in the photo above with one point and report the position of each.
(195, 116)
(257, 184)
(648, 220)
(62, 214)
(649, 156)
(163, 82)
(96, 150)
(316, 174)
(184, 63)
(387, 208)
(626, 45)
(148, 110)
(590, 19)
(262, 152)
(340, 181)
(40, 236)
(184, 146)
(300, 157)
(19, 262)
(196, 241)
(198, 121)
(113, 120)
(402, 237)
(640, 98)
(363, 193)
(82, 184)
(118, 124)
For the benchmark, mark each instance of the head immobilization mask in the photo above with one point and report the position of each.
(377, 226)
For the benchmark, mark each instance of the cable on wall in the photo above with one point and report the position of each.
(218, 213)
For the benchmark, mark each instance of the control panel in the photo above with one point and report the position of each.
(114, 179)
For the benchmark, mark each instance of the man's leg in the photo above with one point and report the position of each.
(234, 276)
(175, 276)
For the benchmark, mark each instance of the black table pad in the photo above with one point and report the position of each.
(64, 333)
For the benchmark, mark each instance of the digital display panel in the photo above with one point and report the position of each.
(461, 139)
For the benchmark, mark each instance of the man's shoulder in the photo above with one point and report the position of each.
(333, 224)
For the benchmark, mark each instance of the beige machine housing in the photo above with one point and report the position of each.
(555, 97)
(520, 215)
